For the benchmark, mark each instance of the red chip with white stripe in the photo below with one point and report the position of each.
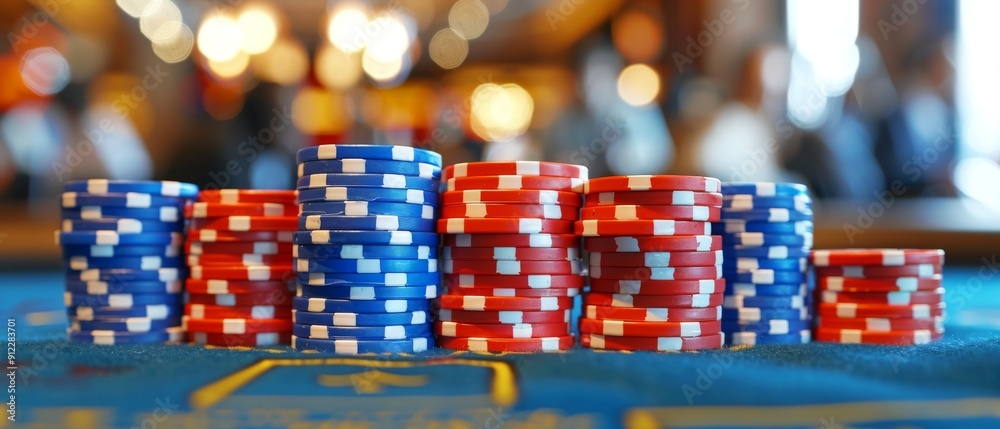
(695, 243)
(510, 253)
(515, 182)
(500, 226)
(653, 183)
(247, 223)
(512, 240)
(209, 210)
(512, 197)
(660, 273)
(658, 344)
(531, 281)
(848, 284)
(857, 336)
(653, 301)
(658, 287)
(210, 311)
(874, 272)
(504, 317)
(668, 314)
(248, 196)
(217, 236)
(502, 210)
(656, 259)
(237, 326)
(520, 168)
(620, 328)
(848, 310)
(883, 257)
(658, 198)
(495, 303)
(523, 330)
(632, 212)
(657, 227)
(890, 298)
(240, 247)
(511, 268)
(517, 292)
(221, 287)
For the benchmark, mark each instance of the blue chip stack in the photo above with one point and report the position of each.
(767, 234)
(366, 249)
(122, 243)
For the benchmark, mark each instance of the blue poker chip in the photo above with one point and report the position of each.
(360, 251)
(144, 263)
(769, 327)
(749, 289)
(385, 279)
(745, 263)
(768, 215)
(391, 332)
(131, 324)
(735, 226)
(162, 214)
(739, 301)
(765, 252)
(122, 300)
(369, 166)
(130, 199)
(121, 226)
(108, 251)
(412, 196)
(366, 223)
(353, 347)
(753, 338)
(126, 275)
(115, 337)
(325, 305)
(368, 293)
(764, 276)
(366, 266)
(111, 238)
(365, 208)
(761, 239)
(749, 202)
(153, 311)
(163, 188)
(764, 189)
(369, 152)
(385, 181)
(360, 319)
(753, 314)
(401, 238)
(141, 287)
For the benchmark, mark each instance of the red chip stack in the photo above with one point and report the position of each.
(655, 267)
(510, 260)
(879, 296)
(240, 253)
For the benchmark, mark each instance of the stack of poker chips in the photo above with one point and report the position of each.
(766, 232)
(240, 257)
(655, 268)
(122, 242)
(366, 249)
(879, 296)
(511, 262)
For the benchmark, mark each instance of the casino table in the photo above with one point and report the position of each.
(951, 383)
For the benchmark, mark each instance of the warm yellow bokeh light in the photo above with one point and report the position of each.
(638, 84)
(501, 112)
(259, 29)
(390, 39)
(164, 15)
(138, 8)
(317, 111)
(176, 48)
(447, 49)
(286, 63)
(220, 38)
(337, 69)
(381, 70)
(231, 68)
(469, 18)
(347, 29)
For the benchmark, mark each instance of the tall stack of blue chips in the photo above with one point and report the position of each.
(366, 250)
(122, 243)
(767, 235)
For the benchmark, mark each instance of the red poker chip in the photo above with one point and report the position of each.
(674, 314)
(240, 247)
(503, 210)
(520, 168)
(504, 317)
(239, 272)
(848, 284)
(877, 257)
(209, 210)
(619, 328)
(237, 326)
(882, 324)
(216, 236)
(848, 310)
(632, 212)
(510, 253)
(625, 244)
(222, 287)
(515, 182)
(538, 241)
(658, 198)
(247, 223)
(231, 259)
(890, 298)
(658, 287)
(512, 197)
(248, 196)
(612, 228)
(272, 298)
(524, 330)
(857, 336)
(240, 340)
(498, 303)
(656, 344)
(508, 345)
(656, 259)
(511, 268)
(539, 281)
(524, 292)
(653, 301)
(504, 226)
(660, 273)
(653, 183)
(873, 272)
(209, 311)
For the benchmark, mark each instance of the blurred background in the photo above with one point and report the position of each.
(885, 108)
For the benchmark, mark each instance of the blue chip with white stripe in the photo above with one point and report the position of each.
(384, 181)
(753, 338)
(756, 314)
(109, 251)
(163, 188)
(142, 263)
(743, 264)
(734, 226)
(764, 276)
(365, 208)
(733, 302)
(749, 202)
(760, 239)
(370, 166)
(122, 300)
(361, 251)
(324, 305)
(769, 327)
(130, 200)
(152, 311)
(368, 293)
(340, 193)
(404, 238)
(366, 223)
(366, 266)
(121, 226)
(386, 279)
(127, 275)
(764, 189)
(768, 215)
(131, 324)
(161, 214)
(391, 332)
(354, 347)
(765, 252)
(105, 337)
(116, 287)
(370, 152)
(112, 238)
(360, 319)
(750, 289)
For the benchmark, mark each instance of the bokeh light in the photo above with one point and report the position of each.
(347, 28)
(390, 39)
(259, 28)
(317, 111)
(337, 69)
(637, 35)
(220, 38)
(231, 68)
(138, 8)
(501, 112)
(447, 49)
(166, 14)
(638, 85)
(176, 48)
(469, 18)
(286, 63)
(44, 71)
(383, 70)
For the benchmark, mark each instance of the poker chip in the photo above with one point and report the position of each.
(619, 328)
(370, 166)
(511, 268)
(653, 301)
(382, 279)
(126, 287)
(741, 202)
(111, 251)
(247, 196)
(365, 223)
(159, 214)
(510, 254)
(765, 276)
(654, 198)
(632, 212)
(759, 339)
(504, 225)
(752, 314)
(534, 281)
(656, 344)
(515, 182)
(652, 183)
(877, 257)
(876, 272)
(496, 303)
(658, 287)
(239, 340)
(512, 240)
(106, 337)
(731, 226)
(209, 311)
(891, 298)
(789, 264)
(360, 251)
(508, 345)
(133, 263)
(240, 272)
(519, 168)
(273, 297)
(215, 236)
(766, 252)
(767, 327)
(222, 287)
(121, 226)
(857, 336)
(848, 284)
(368, 152)
(120, 300)
(768, 215)
(411, 196)
(246, 223)
(750, 289)
(215, 259)
(354, 347)
(656, 259)
(212, 210)
(522, 292)
(343, 237)
(521, 330)
(124, 274)
(237, 325)
(365, 208)
(633, 314)
(322, 305)
(131, 324)
(362, 266)
(691, 243)
(849, 311)
(742, 301)
(368, 293)
(487, 196)
(104, 186)
(112, 238)
(760, 239)
(153, 311)
(384, 181)
(883, 324)
(360, 319)
(135, 200)
(499, 210)
(390, 332)
(657, 273)
(764, 189)
(656, 227)
(506, 317)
